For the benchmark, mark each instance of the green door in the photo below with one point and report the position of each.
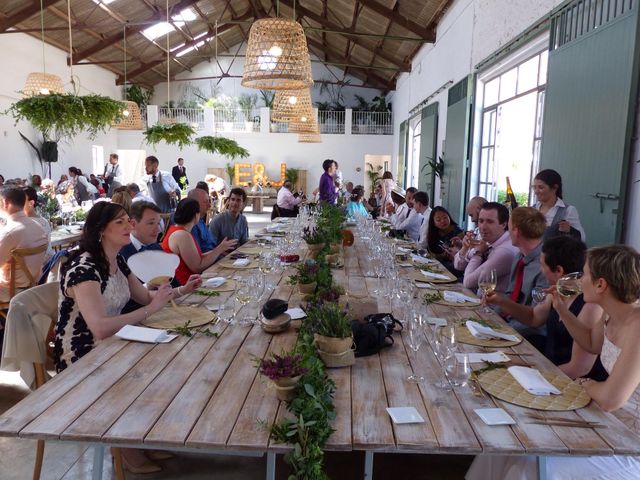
(402, 154)
(428, 148)
(589, 110)
(456, 149)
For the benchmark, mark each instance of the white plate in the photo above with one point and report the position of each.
(404, 415)
(150, 264)
(214, 282)
(494, 416)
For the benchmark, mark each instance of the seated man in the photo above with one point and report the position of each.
(494, 250)
(287, 202)
(408, 219)
(526, 228)
(473, 209)
(136, 195)
(200, 231)
(146, 223)
(20, 231)
(231, 223)
(421, 205)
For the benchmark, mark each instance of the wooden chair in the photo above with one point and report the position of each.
(166, 217)
(17, 261)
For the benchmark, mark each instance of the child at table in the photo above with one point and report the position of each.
(611, 280)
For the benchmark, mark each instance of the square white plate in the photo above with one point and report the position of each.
(494, 416)
(404, 415)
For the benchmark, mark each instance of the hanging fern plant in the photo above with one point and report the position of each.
(66, 115)
(174, 134)
(223, 146)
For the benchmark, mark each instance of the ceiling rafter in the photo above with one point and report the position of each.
(381, 42)
(427, 34)
(354, 21)
(25, 14)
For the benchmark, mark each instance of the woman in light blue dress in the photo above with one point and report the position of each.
(355, 208)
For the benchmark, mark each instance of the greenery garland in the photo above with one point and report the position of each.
(66, 115)
(173, 134)
(223, 146)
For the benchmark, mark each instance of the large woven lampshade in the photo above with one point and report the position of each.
(277, 57)
(131, 117)
(309, 138)
(40, 83)
(304, 124)
(287, 104)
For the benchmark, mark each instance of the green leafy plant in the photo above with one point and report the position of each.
(313, 236)
(46, 153)
(173, 134)
(305, 273)
(292, 175)
(330, 320)
(247, 103)
(79, 215)
(430, 298)
(231, 171)
(140, 95)
(221, 145)
(437, 166)
(206, 292)
(373, 174)
(267, 97)
(59, 116)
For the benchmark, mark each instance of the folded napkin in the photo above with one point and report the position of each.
(404, 249)
(296, 313)
(532, 381)
(274, 228)
(241, 262)
(419, 259)
(482, 332)
(457, 297)
(425, 285)
(143, 334)
(438, 276)
(215, 282)
(495, 357)
(265, 236)
(437, 321)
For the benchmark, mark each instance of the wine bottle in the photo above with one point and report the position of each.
(511, 198)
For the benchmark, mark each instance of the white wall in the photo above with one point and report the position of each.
(22, 54)
(271, 149)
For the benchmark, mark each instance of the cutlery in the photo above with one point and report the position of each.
(566, 424)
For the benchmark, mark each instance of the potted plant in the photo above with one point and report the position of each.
(247, 103)
(292, 175)
(332, 333)
(315, 239)
(230, 168)
(173, 134)
(373, 173)
(284, 371)
(305, 276)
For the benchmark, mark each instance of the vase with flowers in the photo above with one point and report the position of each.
(305, 276)
(284, 371)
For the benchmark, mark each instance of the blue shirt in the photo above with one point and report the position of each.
(356, 209)
(203, 236)
(223, 225)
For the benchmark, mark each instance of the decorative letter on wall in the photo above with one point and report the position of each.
(256, 175)
(239, 174)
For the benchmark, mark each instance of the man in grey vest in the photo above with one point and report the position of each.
(113, 174)
(161, 186)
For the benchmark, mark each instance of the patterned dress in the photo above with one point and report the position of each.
(73, 339)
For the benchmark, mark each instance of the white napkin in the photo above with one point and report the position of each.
(274, 228)
(437, 321)
(457, 297)
(532, 381)
(265, 236)
(425, 285)
(438, 276)
(296, 313)
(495, 357)
(215, 282)
(144, 334)
(419, 259)
(241, 262)
(482, 332)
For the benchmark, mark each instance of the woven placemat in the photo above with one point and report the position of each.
(463, 335)
(419, 277)
(171, 317)
(228, 263)
(501, 384)
(228, 286)
(250, 249)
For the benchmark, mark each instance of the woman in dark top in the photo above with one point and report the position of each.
(441, 236)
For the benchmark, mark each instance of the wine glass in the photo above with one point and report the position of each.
(445, 349)
(415, 337)
(244, 296)
(487, 284)
(569, 285)
(538, 294)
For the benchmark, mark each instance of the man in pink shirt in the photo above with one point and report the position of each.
(286, 201)
(494, 250)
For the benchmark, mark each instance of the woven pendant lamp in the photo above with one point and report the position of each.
(277, 57)
(309, 138)
(131, 117)
(304, 124)
(40, 83)
(287, 104)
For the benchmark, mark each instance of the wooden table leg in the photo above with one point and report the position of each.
(368, 465)
(98, 461)
(271, 465)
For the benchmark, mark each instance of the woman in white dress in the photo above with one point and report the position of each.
(387, 185)
(611, 280)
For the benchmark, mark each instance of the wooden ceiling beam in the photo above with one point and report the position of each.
(131, 29)
(25, 14)
(427, 34)
(403, 66)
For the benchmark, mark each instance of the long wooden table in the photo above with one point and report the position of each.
(204, 394)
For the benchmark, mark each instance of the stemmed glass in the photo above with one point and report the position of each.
(445, 348)
(569, 285)
(487, 283)
(415, 337)
(244, 296)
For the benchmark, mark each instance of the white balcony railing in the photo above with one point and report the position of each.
(331, 121)
(192, 116)
(372, 123)
(236, 120)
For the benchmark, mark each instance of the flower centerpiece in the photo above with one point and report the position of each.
(315, 239)
(333, 337)
(305, 276)
(284, 371)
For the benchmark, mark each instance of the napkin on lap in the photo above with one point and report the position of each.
(482, 332)
(532, 381)
(437, 276)
(457, 297)
(215, 282)
(143, 334)
(241, 262)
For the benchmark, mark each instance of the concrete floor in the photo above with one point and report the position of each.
(73, 462)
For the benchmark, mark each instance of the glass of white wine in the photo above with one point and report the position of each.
(244, 296)
(487, 284)
(569, 285)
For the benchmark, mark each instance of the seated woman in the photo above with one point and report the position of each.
(95, 285)
(355, 208)
(179, 240)
(611, 280)
(442, 236)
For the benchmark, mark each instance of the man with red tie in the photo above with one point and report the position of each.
(526, 228)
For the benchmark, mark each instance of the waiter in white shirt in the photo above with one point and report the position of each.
(113, 174)
(161, 186)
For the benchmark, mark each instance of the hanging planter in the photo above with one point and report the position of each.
(173, 134)
(59, 116)
(221, 145)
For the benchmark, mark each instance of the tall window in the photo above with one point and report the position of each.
(513, 102)
(412, 169)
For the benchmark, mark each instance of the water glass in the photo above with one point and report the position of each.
(458, 369)
(538, 294)
(415, 338)
(226, 311)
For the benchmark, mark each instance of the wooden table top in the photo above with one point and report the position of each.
(204, 392)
